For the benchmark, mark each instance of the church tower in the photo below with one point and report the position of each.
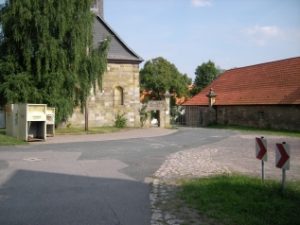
(120, 89)
(97, 8)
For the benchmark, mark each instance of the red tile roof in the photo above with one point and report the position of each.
(269, 83)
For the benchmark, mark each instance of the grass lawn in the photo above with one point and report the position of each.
(7, 140)
(92, 130)
(256, 130)
(242, 200)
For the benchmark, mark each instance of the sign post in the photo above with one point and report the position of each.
(283, 160)
(261, 154)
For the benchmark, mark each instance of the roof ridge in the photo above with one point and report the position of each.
(118, 37)
(262, 64)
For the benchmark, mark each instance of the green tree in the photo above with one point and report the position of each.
(160, 76)
(47, 54)
(205, 74)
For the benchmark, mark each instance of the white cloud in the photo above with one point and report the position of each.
(262, 34)
(267, 31)
(201, 3)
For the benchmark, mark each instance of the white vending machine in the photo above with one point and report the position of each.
(50, 121)
(26, 121)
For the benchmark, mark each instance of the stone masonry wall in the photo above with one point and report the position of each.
(103, 107)
(196, 116)
(285, 117)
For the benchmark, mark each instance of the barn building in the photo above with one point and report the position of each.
(266, 95)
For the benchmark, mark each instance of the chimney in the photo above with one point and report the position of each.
(211, 97)
(97, 8)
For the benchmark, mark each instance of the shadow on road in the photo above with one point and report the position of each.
(39, 198)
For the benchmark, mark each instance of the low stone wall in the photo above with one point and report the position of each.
(282, 117)
(197, 116)
(104, 106)
(285, 117)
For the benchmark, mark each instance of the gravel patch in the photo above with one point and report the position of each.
(234, 154)
(166, 207)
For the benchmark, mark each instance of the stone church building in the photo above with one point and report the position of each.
(120, 92)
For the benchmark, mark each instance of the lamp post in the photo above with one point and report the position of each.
(167, 96)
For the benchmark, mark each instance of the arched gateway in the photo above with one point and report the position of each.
(163, 106)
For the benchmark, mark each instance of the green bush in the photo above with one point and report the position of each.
(120, 120)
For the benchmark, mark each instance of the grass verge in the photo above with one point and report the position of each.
(262, 131)
(92, 130)
(7, 140)
(243, 200)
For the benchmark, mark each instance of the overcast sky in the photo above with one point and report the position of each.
(232, 33)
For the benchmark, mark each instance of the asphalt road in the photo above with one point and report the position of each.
(89, 183)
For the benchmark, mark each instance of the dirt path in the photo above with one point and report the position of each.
(121, 135)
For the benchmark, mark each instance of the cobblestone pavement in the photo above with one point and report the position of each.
(166, 207)
(234, 154)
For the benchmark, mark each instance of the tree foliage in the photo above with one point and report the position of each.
(205, 74)
(159, 76)
(47, 54)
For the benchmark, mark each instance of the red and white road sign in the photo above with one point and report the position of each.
(261, 149)
(283, 156)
